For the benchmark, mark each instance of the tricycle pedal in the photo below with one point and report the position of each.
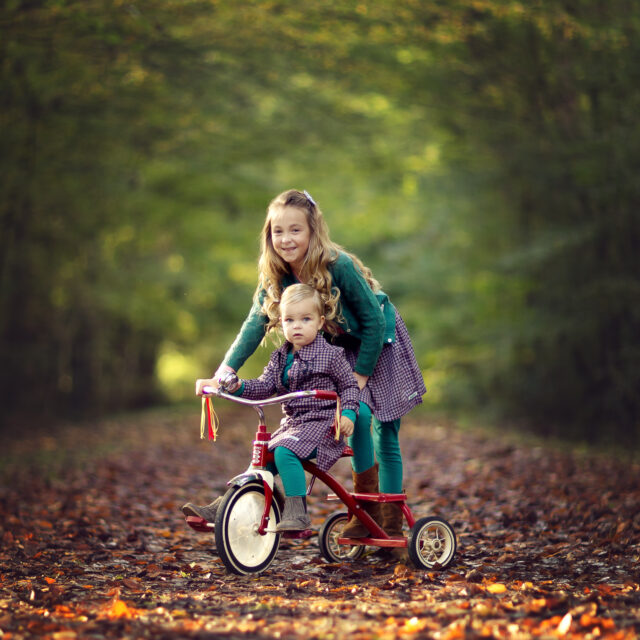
(200, 524)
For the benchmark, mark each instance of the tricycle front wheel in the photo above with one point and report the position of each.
(432, 543)
(242, 549)
(330, 531)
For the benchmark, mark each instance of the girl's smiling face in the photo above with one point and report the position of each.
(300, 322)
(290, 234)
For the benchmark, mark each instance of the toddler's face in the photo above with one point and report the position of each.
(300, 322)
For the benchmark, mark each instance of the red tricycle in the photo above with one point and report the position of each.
(245, 525)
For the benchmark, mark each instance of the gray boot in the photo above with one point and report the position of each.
(208, 512)
(294, 516)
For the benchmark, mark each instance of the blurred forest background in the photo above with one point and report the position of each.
(481, 156)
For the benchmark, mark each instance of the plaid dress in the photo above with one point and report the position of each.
(307, 422)
(396, 384)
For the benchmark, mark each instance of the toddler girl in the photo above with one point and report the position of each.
(305, 361)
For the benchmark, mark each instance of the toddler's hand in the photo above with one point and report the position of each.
(346, 426)
(230, 387)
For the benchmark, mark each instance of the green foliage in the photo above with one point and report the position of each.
(480, 157)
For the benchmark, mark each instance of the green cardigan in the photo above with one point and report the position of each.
(367, 316)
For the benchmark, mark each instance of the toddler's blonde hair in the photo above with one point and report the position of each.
(299, 293)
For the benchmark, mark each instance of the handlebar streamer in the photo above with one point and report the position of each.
(208, 418)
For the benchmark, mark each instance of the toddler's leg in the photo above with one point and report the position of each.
(290, 469)
(209, 512)
(294, 516)
(361, 441)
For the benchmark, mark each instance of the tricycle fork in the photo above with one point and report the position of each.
(260, 475)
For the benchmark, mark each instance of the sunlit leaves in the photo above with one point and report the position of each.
(546, 541)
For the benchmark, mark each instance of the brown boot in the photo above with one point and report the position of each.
(393, 519)
(365, 482)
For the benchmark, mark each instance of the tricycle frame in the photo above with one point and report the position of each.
(431, 538)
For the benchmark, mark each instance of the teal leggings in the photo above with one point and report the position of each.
(288, 465)
(386, 445)
(384, 442)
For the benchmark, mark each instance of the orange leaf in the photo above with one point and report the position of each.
(414, 625)
(496, 587)
(120, 609)
(117, 608)
(49, 580)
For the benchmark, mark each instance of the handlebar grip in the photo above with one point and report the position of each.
(208, 390)
(326, 395)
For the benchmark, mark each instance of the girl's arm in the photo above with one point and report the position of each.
(248, 339)
(346, 385)
(356, 295)
(361, 380)
(348, 390)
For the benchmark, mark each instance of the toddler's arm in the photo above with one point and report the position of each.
(348, 390)
(263, 387)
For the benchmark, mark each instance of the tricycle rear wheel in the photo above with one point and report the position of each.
(328, 536)
(432, 543)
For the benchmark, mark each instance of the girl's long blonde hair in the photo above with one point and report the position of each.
(315, 272)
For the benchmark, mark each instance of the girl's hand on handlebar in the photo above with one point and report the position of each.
(205, 382)
(213, 381)
(346, 426)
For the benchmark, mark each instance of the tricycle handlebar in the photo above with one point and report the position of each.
(321, 394)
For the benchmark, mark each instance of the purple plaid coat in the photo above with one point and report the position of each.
(307, 422)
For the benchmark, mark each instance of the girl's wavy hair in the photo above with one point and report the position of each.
(322, 251)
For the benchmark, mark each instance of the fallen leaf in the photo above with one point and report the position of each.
(496, 587)
(565, 625)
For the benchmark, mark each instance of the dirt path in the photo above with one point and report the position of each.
(94, 545)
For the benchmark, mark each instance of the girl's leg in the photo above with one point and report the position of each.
(387, 448)
(385, 441)
(364, 472)
(361, 441)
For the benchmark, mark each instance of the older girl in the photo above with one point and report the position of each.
(296, 247)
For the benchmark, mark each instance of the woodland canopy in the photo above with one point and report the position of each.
(481, 156)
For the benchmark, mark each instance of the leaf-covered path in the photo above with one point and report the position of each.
(94, 545)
